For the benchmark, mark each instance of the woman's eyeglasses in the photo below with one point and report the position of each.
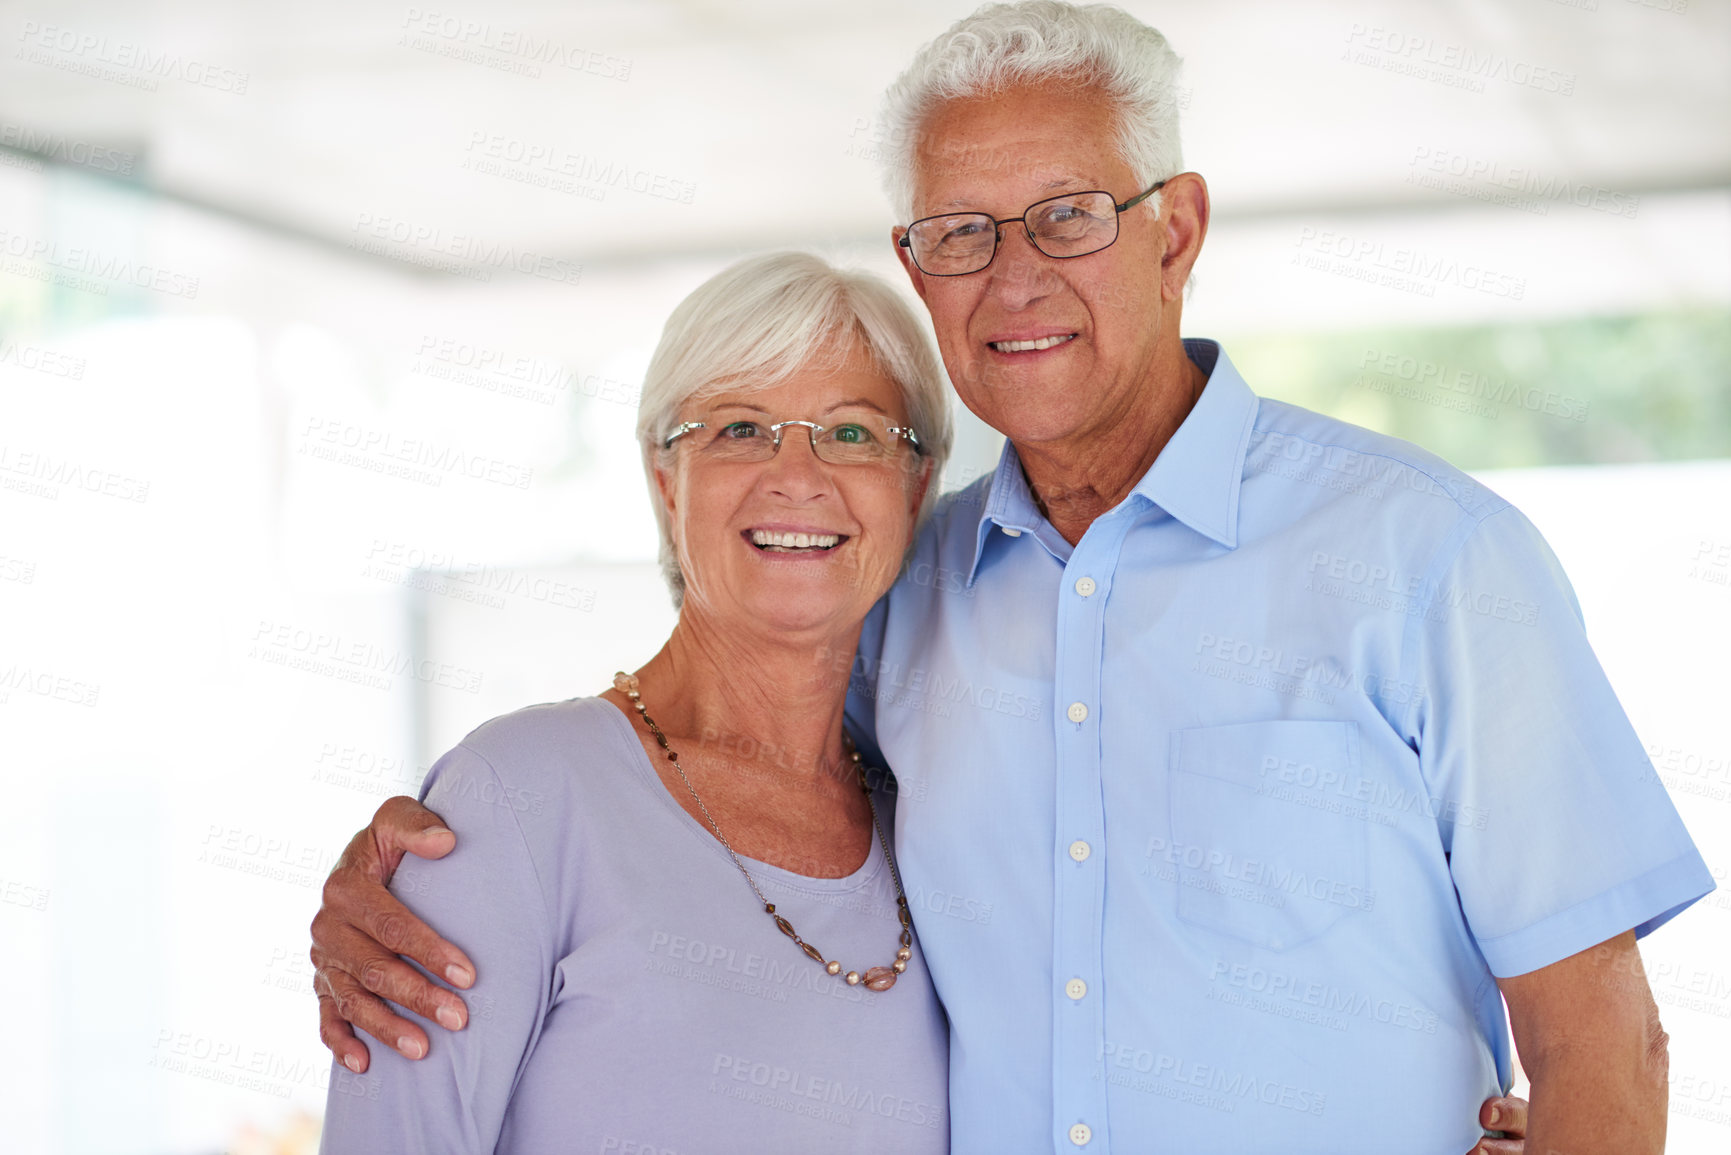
(861, 440)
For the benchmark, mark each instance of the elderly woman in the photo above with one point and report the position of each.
(697, 940)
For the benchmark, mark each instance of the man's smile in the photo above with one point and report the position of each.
(1032, 345)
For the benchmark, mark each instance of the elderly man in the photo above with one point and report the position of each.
(1249, 760)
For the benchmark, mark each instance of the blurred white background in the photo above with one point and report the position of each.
(321, 327)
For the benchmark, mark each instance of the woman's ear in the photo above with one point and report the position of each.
(664, 486)
(922, 483)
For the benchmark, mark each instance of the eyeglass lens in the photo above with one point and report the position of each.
(1066, 226)
(843, 443)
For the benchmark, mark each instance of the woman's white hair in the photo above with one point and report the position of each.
(1002, 46)
(758, 322)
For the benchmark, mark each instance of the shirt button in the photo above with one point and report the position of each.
(1078, 712)
(1011, 531)
(1080, 1134)
(1085, 586)
(1080, 850)
(1076, 989)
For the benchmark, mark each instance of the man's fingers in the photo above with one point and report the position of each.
(1500, 1147)
(359, 916)
(396, 928)
(335, 1033)
(1508, 1115)
(376, 967)
(351, 1002)
(403, 824)
(1505, 1114)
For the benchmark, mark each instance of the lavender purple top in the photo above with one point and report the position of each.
(631, 996)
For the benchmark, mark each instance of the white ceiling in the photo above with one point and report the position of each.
(758, 105)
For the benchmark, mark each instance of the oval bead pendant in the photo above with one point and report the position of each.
(880, 979)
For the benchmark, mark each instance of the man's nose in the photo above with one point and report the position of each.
(1021, 274)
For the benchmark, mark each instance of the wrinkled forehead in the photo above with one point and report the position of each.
(1036, 140)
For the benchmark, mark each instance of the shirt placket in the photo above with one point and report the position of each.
(1079, 891)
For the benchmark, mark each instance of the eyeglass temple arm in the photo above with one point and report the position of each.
(1142, 196)
(684, 428)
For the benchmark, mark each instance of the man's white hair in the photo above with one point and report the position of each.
(1041, 42)
(761, 320)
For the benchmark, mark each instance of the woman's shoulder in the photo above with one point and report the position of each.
(541, 753)
(533, 731)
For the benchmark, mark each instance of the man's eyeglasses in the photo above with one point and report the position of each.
(863, 440)
(1072, 225)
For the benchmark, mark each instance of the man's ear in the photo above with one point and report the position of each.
(1186, 226)
(906, 257)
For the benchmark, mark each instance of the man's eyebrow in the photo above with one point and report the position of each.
(1057, 182)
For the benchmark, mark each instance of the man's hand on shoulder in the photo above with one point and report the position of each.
(361, 929)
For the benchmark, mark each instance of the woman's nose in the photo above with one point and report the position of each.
(795, 471)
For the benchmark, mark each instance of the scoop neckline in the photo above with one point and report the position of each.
(868, 871)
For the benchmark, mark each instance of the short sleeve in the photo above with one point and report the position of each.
(1560, 835)
(486, 898)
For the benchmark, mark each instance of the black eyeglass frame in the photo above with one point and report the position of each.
(998, 228)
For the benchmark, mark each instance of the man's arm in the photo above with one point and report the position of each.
(361, 929)
(1588, 1034)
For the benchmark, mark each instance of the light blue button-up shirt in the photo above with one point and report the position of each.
(1218, 826)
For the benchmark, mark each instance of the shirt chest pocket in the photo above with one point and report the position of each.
(1260, 847)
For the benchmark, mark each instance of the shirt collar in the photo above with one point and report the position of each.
(1196, 478)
